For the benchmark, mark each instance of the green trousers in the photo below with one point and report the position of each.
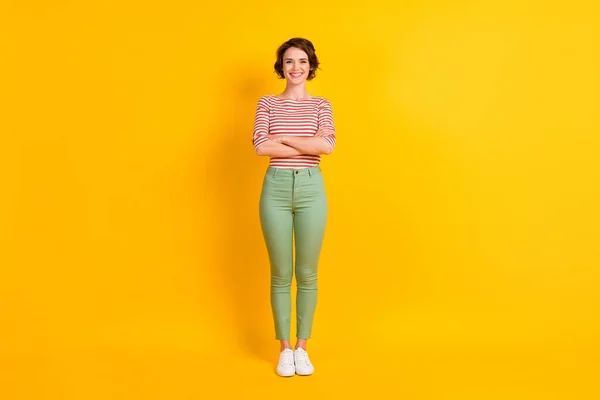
(293, 204)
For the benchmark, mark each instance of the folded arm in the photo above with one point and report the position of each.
(307, 145)
(275, 149)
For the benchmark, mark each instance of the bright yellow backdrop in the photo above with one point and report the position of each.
(462, 253)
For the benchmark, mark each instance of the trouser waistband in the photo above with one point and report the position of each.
(274, 171)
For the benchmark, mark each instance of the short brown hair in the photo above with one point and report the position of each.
(306, 46)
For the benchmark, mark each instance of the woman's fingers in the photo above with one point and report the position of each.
(324, 132)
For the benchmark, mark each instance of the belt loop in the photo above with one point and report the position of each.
(275, 170)
(309, 172)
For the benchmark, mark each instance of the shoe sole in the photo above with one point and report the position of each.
(286, 375)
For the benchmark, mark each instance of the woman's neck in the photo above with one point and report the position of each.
(295, 93)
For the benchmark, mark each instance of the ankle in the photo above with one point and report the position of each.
(285, 344)
(301, 343)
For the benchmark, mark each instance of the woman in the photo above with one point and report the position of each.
(294, 129)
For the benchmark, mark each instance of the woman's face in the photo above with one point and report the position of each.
(295, 66)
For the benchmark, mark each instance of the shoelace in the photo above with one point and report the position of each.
(302, 358)
(287, 357)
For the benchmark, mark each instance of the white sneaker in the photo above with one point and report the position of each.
(303, 365)
(286, 363)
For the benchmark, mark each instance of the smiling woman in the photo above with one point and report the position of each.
(294, 129)
(296, 52)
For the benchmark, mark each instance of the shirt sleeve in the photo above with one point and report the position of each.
(326, 121)
(261, 123)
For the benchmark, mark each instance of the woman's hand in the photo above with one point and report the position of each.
(275, 138)
(322, 132)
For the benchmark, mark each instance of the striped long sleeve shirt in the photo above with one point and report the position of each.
(277, 116)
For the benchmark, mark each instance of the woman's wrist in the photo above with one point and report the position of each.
(276, 138)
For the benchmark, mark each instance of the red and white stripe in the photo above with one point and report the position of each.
(301, 118)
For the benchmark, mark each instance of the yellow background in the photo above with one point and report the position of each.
(462, 253)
